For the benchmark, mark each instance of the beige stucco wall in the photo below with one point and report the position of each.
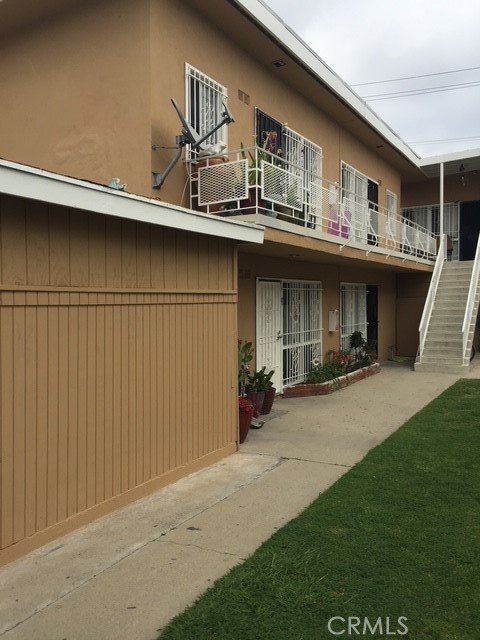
(412, 291)
(331, 276)
(428, 192)
(75, 93)
(87, 92)
(210, 51)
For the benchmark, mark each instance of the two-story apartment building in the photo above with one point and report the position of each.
(120, 310)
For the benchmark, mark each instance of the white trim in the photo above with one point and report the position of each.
(37, 184)
(356, 288)
(205, 87)
(453, 156)
(393, 197)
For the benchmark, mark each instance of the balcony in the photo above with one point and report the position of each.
(263, 188)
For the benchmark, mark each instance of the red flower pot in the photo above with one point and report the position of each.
(257, 398)
(244, 421)
(268, 401)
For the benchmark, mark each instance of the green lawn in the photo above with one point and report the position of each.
(397, 537)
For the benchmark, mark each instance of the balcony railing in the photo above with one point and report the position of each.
(253, 182)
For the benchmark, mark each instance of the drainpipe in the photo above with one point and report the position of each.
(441, 197)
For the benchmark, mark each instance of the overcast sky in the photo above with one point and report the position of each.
(371, 40)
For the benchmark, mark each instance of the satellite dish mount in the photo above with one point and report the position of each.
(191, 137)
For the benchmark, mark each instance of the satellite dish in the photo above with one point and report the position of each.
(191, 137)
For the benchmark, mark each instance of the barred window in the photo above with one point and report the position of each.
(205, 99)
(353, 312)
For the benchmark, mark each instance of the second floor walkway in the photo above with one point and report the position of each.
(255, 185)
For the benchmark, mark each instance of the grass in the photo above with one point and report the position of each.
(398, 535)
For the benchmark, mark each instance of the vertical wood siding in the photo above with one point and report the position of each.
(117, 359)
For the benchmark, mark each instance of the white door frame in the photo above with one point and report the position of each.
(288, 339)
(269, 328)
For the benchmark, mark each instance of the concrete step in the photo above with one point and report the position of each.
(451, 360)
(451, 280)
(437, 359)
(457, 264)
(443, 350)
(440, 350)
(426, 367)
(460, 288)
(455, 300)
(461, 269)
(458, 273)
(435, 338)
(449, 305)
(440, 353)
(445, 324)
(444, 311)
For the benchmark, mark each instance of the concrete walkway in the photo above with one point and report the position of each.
(127, 575)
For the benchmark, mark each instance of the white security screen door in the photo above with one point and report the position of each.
(302, 329)
(353, 312)
(269, 328)
(289, 332)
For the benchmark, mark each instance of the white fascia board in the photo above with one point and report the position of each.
(300, 50)
(37, 184)
(450, 157)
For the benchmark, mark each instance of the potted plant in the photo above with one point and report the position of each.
(245, 415)
(245, 406)
(254, 393)
(267, 152)
(245, 356)
(263, 382)
(363, 355)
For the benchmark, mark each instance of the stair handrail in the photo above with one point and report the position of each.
(432, 292)
(472, 292)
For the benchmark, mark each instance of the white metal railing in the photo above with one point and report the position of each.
(432, 291)
(470, 307)
(254, 181)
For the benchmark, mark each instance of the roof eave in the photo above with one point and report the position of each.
(260, 13)
(36, 184)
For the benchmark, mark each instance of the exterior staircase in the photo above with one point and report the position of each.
(443, 350)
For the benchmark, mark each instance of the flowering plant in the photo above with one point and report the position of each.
(342, 358)
(362, 350)
(245, 356)
(335, 365)
(270, 145)
(268, 152)
(244, 405)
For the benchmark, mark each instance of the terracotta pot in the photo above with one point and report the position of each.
(244, 421)
(253, 202)
(268, 401)
(257, 398)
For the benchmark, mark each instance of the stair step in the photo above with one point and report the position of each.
(439, 338)
(432, 367)
(457, 264)
(449, 360)
(440, 352)
(445, 323)
(449, 304)
(453, 287)
(443, 349)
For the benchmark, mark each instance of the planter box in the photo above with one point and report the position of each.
(324, 388)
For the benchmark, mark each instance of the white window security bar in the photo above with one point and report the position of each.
(353, 311)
